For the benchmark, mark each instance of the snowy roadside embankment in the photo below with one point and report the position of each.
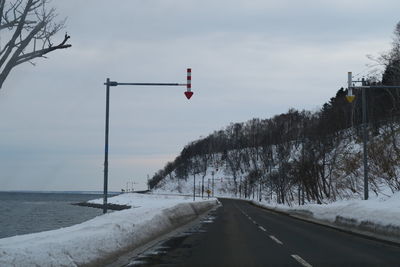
(105, 237)
(376, 217)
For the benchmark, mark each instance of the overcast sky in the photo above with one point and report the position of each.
(249, 58)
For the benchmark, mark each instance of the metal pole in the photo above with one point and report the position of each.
(299, 191)
(208, 188)
(365, 141)
(363, 88)
(240, 187)
(109, 83)
(349, 83)
(236, 187)
(258, 193)
(202, 187)
(105, 192)
(212, 184)
(194, 187)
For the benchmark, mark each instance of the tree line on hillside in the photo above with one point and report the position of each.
(305, 155)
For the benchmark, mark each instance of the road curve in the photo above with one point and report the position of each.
(240, 234)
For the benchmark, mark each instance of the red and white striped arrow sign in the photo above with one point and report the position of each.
(189, 92)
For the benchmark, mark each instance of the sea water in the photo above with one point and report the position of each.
(31, 212)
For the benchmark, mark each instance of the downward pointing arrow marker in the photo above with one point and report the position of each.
(188, 94)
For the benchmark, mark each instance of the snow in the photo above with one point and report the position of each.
(103, 237)
(382, 210)
(223, 185)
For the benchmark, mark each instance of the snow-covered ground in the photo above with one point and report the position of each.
(223, 185)
(105, 236)
(382, 210)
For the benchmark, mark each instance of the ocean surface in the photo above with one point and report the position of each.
(31, 212)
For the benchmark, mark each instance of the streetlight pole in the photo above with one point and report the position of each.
(202, 187)
(240, 187)
(188, 93)
(194, 187)
(105, 187)
(212, 183)
(350, 97)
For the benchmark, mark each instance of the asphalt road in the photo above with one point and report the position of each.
(240, 234)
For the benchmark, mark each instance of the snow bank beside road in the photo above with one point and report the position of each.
(378, 216)
(104, 237)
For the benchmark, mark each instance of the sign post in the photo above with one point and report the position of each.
(188, 92)
(109, 84)
(350, 97)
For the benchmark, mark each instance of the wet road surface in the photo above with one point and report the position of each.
(240, 234)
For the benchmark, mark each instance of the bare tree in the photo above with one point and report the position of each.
(28, 26)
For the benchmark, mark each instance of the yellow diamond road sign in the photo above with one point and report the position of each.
(350, 98)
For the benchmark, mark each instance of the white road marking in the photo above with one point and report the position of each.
(262, 228)
(301, 261)
(276, 240)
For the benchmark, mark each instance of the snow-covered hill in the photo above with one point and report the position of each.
(308, 170)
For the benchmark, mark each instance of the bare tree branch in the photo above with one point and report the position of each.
(30, 27)
(42, 52)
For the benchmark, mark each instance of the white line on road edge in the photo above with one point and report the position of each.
(262, 228)
(276, 239)
(301, 261)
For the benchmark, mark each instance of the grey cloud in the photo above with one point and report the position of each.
(249, 59)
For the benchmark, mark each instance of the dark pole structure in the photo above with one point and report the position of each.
(208, 188)
(194, 187)
(240, 187)
(212, 183)
(202, 187)
(365, 140)
(105, 191)
(188, 93)
(350, 98)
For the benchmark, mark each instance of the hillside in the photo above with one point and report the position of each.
(302, 156)
(312, 171)
(296, 156)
